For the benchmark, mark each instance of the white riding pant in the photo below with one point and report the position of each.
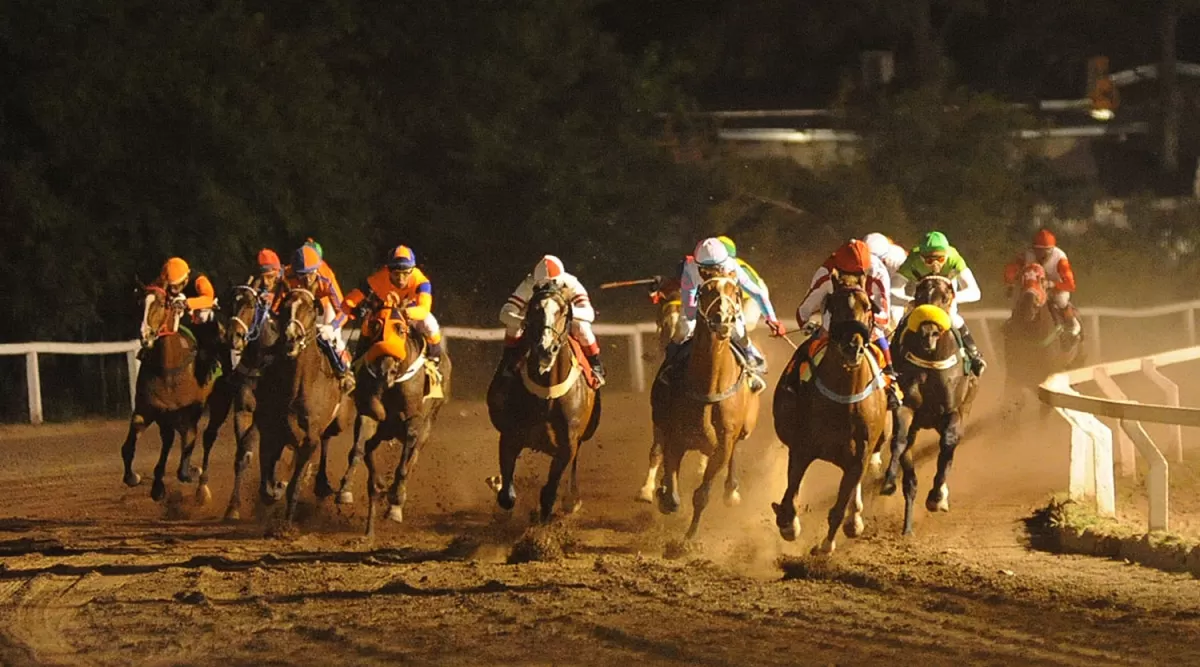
(1061, 299)
(751, 314)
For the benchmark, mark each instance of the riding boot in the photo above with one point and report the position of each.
(978, 365)
(508, 362)
(758, 367)
(597, 369)
(894, 394)
(346, 379)
(434, 354)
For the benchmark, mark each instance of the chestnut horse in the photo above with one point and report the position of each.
(393, 406)
(300, 402)
(252, 335)
(839, 417)
(174, 381)
(553, 410)
(712, 408)
(1033, 337)
(938, 393)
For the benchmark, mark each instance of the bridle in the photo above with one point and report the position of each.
(558, 336)
(722, 311)
(261, 312)
(169, 324)
(296, 333)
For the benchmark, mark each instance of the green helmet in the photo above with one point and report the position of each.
(729, 245)
(315, 246)
(933, 242)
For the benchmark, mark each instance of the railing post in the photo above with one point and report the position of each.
(1189, 323)
(131, 361)
(33, 382)
(1093, 326)
(1171, 392)
(636, 363)
(1157, 489)
(1124, 450)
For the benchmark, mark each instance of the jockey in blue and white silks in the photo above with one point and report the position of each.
(712, 258)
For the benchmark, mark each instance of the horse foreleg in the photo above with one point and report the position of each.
(219, 404)
(166, 431)
(563, 457)
(876, 463)
(304, 451)
(853, 526)
(137, 425)
(374, 486)
(668, 493)
(732, 497)
(323, 489)
(246, 436)
(939, 495)
(571, 501)
(901, 421)
(510, 449)
(646, 494)
(851, 478)
(188, 423)
(365, 428)
(700, 495)
(410, 449)
(910, 479)
(785, 510)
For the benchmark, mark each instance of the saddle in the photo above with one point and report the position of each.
(808, 356)
(391, 339)
(671, 370)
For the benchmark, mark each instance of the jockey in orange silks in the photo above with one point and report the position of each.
(550, 269)
(853, 258)
(402, 290)
(1053, 260)
(308, 271)
(197, 298)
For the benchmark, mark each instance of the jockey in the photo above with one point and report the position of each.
(853, 258)
(400, 284)
(712, 259)
(549, 269)
(935, 256)
(198, 299)
(750, 309)
(309, 272)
(892, 256)
(1045, 251)
(269, 278)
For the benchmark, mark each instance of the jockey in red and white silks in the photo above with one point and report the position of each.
(713, 256)
(1059, 275)
(854, 257)
(550, 270)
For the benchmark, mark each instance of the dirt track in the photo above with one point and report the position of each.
(94, 573)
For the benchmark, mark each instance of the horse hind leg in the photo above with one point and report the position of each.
(158, 490)
(732, 497)
(700, 495)
(137, 425)
(668, 493)
(785, 510)
(303, 459)
(939, 496)
(571, 502)
(853, 526)
(188, 424)
(365, 429)
(510, 449)
(566, 454)
(246, 436)
(410, 451)
(646, 493)
(219, 404)
(851, 478)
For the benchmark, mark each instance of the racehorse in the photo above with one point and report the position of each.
(553, 410)
(839, 416)
(713, 406)
(1033, 337)
(670, 309)
(176, 377)
(938, 393)
(252, 334)
(300, 402)
(393, 404)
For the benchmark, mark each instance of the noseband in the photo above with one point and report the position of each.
(726, 307)
(558, 335)
(296, 332)
(253, 330)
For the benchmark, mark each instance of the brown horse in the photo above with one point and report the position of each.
(1033, 338)
(300, 402)
(175, 379)
(938, 393)
(397, 399)
(252, 334)
(670, 311)
(712, 408)
(553, 411)
(839, 416)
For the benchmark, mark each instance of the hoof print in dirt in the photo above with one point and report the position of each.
(676, 549)
(194, 597)
(542, 544)
(462, 547)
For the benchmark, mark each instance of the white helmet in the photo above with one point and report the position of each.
(882, 248)
(711, 252)
(548, 268)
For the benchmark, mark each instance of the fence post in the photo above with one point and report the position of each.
(1171, 392)
(1124, 451)
(1189, 323)
(636, 363)
(1093, 324)
(134, 365)
(33, 382)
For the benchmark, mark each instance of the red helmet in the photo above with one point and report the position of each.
(1044, 238)
(268, 260)
(853, 257)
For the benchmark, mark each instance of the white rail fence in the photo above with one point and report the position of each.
(634, 334)
(1092, 453)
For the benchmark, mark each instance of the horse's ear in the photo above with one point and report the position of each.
(835, 276)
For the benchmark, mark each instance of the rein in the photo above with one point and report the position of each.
(303, 337)
(261, 313)
(727, 314)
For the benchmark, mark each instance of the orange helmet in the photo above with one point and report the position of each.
(175, 271)
(401, 258)
(305, 261)
(268, 261)
(1044, 238)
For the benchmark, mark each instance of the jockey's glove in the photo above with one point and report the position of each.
(776, 327)
(811, 328)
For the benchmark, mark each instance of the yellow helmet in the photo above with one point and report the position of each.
(176, 271)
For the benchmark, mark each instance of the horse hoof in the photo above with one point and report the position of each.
(790, 531)
(733, 498)
(345, 498)
(506, 500)
(158, 491)
(494, 483)
(888, 488)
(232, 515)
(667, 504)
(645, 495)
(571, 508)
(323, 489)
(132, 479)
(853, 528)
(203, 495)
(825, 548)
(396, 513)
(876, 464)
(938, 500)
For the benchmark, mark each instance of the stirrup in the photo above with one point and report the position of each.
(757, 383)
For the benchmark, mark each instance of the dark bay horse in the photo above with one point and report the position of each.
(395, 403)
(713, 407)
(300, 402)
(252, 334)
(938, 393)
(552, 410)
(839, 417)
(1033, 337)
(176, 377)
